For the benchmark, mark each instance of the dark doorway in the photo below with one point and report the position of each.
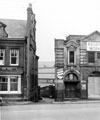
(72, 86)
(72, 90)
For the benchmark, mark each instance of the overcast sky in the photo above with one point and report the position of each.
(55, 19)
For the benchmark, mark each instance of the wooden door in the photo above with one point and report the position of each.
(71, 90)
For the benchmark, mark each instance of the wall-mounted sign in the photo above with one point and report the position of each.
(83, 86)
(93, 46)
(60, 73)
(8, 69)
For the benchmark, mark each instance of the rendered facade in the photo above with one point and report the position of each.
(18, 59)
(77, 67)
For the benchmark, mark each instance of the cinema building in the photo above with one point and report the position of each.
(77, 67)
(18, 59)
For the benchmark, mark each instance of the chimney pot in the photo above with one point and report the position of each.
(30, 5)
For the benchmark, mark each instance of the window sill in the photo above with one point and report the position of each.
(10, 92)
(14, 64)
(1, 64)
(71, 65)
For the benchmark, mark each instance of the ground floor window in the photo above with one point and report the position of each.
(10, 84)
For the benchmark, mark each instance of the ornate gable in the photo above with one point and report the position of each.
(71, 45)
(72, 48)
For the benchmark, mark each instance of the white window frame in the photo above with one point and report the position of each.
(17, 57)
(2, 62)
(8, 85)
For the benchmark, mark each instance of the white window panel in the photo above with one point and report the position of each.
(10, 84)
(14, 57)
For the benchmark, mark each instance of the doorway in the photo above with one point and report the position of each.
(71, 90)
(72, 86)
(94, 85)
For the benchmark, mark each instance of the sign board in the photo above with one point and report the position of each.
(83, 86)
(83, 81)
(60, 73)
(93, 46)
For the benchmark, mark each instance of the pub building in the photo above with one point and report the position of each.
(18, 59)
(77, 67)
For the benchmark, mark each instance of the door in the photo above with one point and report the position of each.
(71, 90)
(94, 87)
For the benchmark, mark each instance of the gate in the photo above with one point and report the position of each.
(94, 87)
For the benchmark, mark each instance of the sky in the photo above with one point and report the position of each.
(56, 19)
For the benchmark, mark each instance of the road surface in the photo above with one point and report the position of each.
(51, 112)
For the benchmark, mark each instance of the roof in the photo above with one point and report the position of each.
(46, 70)
(46, 64)
(2, 24)
(15, 28)
(46, 76)
(91, 34)
(75, 37)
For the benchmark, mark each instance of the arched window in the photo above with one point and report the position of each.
(71, 77)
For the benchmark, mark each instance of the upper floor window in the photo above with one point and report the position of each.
(71, 56)
(14, 57)
(2, 56)
(91, 57)
(98, 55)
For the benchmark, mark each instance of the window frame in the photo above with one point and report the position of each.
(4, 82)
(71, 56)
(71, 63)
(3, 63)
(90, 58)
(18, 91)
(17, 57)
(98, 55)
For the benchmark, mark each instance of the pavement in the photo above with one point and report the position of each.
(77, 102)
(49, 101)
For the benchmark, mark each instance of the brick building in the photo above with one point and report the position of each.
(18, 59)
(77, 66)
